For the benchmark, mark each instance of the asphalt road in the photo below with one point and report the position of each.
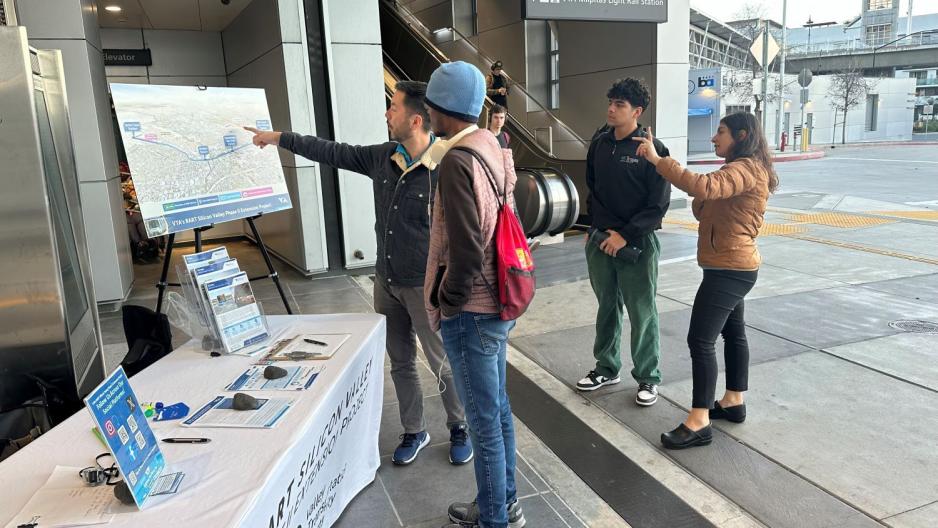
(905, 174)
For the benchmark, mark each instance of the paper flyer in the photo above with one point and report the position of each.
(236, 314)
(298, 378)
(220, 413)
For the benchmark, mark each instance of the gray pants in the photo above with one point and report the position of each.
(406, 315)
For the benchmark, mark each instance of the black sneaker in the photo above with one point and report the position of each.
(647, 394)
(466, 514)
(593, 381)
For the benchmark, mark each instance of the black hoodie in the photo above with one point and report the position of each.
(625, 192)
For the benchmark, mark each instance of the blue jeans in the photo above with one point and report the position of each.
(476, 345)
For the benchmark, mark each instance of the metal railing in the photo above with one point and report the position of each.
(523, 107)
(858, 46)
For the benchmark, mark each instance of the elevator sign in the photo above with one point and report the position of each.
(606, 10)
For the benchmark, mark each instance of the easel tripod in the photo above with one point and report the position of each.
(272, 273)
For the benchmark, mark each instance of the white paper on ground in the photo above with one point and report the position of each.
(65, 500)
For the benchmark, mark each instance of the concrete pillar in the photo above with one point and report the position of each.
(72, 26)
(265, 47)
(356, 65)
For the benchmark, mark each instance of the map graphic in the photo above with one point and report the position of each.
(191, 160)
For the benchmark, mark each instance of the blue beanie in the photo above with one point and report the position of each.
(458, 90)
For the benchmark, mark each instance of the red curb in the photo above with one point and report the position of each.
(778, 159)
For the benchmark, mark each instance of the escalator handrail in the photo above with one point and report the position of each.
(489, 61)
(399, 12)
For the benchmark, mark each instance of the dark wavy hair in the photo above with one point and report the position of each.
(750, 145)
(631, 90)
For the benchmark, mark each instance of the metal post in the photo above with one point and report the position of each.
(781, 82)
(908, 20)
(765, 70)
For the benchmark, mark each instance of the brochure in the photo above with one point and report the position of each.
(236, 314)
(198, 259)
(211, 271)
(219, 413)
(297, 379)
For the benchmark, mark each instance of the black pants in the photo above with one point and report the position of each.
(719, 309)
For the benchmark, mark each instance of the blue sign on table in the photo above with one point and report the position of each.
(117, 413)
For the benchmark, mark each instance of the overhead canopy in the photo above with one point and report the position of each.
(696, 112)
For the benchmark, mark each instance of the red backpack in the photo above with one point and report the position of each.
(516, 283)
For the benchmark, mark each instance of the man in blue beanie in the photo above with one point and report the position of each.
(460, 284)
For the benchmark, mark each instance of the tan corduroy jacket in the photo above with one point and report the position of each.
(730, 205)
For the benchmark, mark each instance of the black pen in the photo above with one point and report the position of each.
(187, 440)
(314, 342)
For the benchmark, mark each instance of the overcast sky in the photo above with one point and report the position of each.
(799, 10)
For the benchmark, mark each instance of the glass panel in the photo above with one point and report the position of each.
(76, 302)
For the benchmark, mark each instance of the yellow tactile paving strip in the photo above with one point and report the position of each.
(914, 215)
(839, 220)
(782, 229)
(768, 229)
(797, 231)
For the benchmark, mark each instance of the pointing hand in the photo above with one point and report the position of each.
(262, 138)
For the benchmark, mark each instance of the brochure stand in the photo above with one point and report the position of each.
(200, 320)
(167, 257)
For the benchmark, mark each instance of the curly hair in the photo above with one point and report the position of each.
(631, 90)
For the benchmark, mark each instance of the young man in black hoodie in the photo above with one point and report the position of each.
(627, 201)
(404, 180)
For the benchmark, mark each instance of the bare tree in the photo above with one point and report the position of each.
(749, 22)
(749, 19)
(741, 85)
(848, 88)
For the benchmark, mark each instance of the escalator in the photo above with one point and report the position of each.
(551, 191)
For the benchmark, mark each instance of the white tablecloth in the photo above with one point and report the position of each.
(302, 473)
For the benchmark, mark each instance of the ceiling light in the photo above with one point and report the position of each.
(113, 9)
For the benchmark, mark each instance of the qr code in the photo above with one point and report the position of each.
(141, 441)
(132, 478)
(122, 434)
(132, 423)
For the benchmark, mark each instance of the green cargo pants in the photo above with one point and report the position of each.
(617, 284)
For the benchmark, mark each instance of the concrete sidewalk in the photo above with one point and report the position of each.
(843, 329)
(708, 158)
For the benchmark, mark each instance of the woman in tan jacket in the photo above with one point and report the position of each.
(730, 205)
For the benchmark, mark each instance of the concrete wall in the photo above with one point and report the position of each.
(894, 116)
(895, 113)
(265, 47)
(72, 27)
(592, 56)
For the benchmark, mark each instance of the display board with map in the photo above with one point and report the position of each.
(191, 160)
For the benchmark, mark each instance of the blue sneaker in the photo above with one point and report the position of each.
(460, 449)
(411, 444)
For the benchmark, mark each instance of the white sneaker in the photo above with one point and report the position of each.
(593, 381)
(647, 394)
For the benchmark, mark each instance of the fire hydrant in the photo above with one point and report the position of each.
(784, 141)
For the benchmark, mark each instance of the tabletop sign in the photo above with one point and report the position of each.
(127, 57)
(118, 415)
